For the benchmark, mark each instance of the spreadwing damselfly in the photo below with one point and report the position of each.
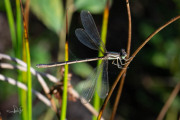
(89, 36)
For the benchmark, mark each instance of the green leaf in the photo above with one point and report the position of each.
(95, 6)
(160, 60)
(146, 30)
(40, 53)
(50, 12)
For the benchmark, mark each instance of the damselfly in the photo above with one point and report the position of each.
(89, 36)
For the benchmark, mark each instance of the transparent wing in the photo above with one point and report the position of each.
(84, 38)
(88, 86)
(103, 89)
(91, 29)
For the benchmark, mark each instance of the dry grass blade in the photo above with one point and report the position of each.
(23, 67)
(23, 86)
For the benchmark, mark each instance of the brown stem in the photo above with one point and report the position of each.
(168, 102)
(118, 97)
(128, 53)
(129, 28)
(133, 55)
(27, 12)
(24, 22)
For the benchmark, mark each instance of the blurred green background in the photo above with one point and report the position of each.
(151, 76)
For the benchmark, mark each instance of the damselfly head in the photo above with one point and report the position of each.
(123, 54)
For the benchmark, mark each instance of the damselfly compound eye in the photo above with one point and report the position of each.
(123, 53)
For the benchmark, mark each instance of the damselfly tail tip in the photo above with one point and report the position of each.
(40, 66)
(37, 65)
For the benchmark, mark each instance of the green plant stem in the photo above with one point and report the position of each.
(64, 101)
(11, 24)
(65, 82)
(29, 82)
(19, 29)
(22, 93)
(28, 60)
(97, 100)
(65, 86)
